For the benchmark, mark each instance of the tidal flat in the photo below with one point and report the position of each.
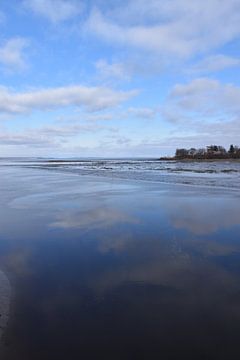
(115, 268)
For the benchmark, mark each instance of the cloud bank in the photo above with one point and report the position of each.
(176, 27)
(91, 98)
(206, 97)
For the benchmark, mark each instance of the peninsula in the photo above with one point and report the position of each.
(212, 152)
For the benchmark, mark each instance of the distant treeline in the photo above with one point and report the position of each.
(210, 152)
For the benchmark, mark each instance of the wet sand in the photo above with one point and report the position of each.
(117, 269)
(5, 295)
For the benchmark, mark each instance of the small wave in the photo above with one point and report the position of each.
(221, 173)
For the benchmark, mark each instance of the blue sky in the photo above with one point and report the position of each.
(118, 78)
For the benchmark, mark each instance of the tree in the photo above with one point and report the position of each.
(231, 150)
(181, 153)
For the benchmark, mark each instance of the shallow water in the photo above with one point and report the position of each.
(115, 269)
(224, 173)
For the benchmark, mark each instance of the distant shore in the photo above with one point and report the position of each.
(209, 153)
(173, 158)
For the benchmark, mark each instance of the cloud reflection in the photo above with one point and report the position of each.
(95, 218)
(205, 217)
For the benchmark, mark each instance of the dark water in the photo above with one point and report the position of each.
(116, 269)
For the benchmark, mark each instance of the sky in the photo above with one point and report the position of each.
(111, 78)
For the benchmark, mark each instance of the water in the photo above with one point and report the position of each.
(206, 173)
(115, 268)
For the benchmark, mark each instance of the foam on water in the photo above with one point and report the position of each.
(205, 173)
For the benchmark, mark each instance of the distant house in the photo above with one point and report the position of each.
(192, 152)
(215, 150)
(201, 152)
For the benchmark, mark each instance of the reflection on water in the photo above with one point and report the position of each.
(118, 270)
(95, 218)
(202, 217)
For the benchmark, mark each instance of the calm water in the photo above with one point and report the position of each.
(103, 267)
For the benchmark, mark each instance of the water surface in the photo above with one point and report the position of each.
(103, 267)
(214, 173)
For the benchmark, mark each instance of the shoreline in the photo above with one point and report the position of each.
(198, 160)
(116, 178)
(197, 180)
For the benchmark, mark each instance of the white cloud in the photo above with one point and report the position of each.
(178, 27)
(55, 10)
(207, 97)
(215, 63)
(131, 66)
(203, 111)
(21, 139)
(91, 98)
(11, 53)
(89, 117)
(115, 70)
(142, 113)
(48, 136)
